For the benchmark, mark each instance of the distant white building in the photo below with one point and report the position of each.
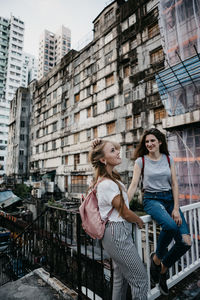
(11, 49)
(29, 69)
(12, 31)
(4, 121)
(52, 47)
(16, 69)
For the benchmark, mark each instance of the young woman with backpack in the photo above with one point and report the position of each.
(160, 200)
(117, 239)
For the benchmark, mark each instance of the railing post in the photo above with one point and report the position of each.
(51, 245)
(78, 238)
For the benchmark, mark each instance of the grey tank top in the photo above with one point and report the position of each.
(157, 174)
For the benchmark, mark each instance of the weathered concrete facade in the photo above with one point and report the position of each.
(106, 90)
(18, 137)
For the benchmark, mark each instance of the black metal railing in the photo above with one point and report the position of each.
(56, 241)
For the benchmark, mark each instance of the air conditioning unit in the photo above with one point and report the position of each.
(38, 193)
(50, 187)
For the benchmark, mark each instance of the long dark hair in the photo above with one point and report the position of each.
(141, 149)
(100, 169)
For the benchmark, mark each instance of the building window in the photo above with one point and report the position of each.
(54, 110)
(153, 30)
(88, 134)
(109, 15)
(77, 97)
(76, 159)
(129, 123)
(37, 149)
(137, 121)
(94, 110)
(89, 112)
(54, 94)
(95, 132)
(77, 117)
(53, 145)
(110, 103)
(64, 141)
(79, 184)
(159, 114)
(65, 160)
(76, 79)
(108, 37)
(22, 137)
(96, 26)
(129, 151)
(127, 97)
(125, 48)
(94, 87)
(54, 126)
(66, 121)
(156, 56)
(1, 158)
(21, 166)
(110, 128)
(126, 71)
(48, 98)
(88, 91)
(22, 123)
(109, 80)
(76, 137)
(108, 57)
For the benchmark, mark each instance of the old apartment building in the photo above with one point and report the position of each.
(19, 128)
(106, 90)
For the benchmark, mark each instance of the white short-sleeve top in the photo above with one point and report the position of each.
(107, 190)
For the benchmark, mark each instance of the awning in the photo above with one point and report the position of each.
(7, 198)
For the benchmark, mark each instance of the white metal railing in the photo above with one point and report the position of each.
(146, 242)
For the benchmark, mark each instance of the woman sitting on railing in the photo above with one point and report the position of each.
(117, 239)
(160, 200)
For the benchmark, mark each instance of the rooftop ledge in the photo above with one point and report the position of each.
(181, 120)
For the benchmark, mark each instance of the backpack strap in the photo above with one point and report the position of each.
(110, 212)
(143, 161)
(168, 159)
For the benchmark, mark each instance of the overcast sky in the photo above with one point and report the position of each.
(50, 14)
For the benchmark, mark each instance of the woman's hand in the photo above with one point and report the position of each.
(95, 143)
(140, 223)
(177, 217)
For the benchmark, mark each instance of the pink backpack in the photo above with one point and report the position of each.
(92, 223)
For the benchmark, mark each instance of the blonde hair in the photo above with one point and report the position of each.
(100, 168)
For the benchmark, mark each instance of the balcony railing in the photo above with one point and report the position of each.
(146, 241)
(56, 241)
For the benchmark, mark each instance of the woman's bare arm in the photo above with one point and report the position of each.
(134, 183)
(127, 214)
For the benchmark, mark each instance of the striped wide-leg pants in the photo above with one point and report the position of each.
(128, 267)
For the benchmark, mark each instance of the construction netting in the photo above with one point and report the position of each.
(179, 83)
(179, 88)
(179, 22)
(184, 146)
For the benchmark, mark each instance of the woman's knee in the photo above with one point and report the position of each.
(171, 227)
(187, 240)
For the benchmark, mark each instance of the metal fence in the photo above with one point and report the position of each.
(146, 241)
(56, 241)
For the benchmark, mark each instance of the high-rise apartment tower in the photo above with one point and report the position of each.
(52, 47)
